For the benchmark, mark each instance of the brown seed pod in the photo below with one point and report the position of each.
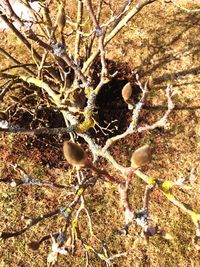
(141, 156)
(127, 91)
(75, 155)
(34, 245)
(61, 18)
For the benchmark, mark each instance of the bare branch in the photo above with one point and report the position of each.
(20, 36)
(78, 28)
(135, 116)
(116, 30)
(41, 131)
(7, 55)
(32, 222)
(5, 88)
(163, 121)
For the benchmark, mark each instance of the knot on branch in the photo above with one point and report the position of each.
(139, 5)
(61, 238)
(72, 128)
(91, 99)
(65, 213)
(59, 49)
(14, 128)
(30, 180)
(99, 32)
(142, 217)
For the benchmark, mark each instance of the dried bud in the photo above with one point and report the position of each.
(127, 92)
(150, 83)
(61, 19)
(141, 156)
(75, 155)
(151, 230)
(34, 245)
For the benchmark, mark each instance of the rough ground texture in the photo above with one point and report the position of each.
(162, 41)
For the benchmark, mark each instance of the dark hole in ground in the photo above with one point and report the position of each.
(54, 118)
(110, 107)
